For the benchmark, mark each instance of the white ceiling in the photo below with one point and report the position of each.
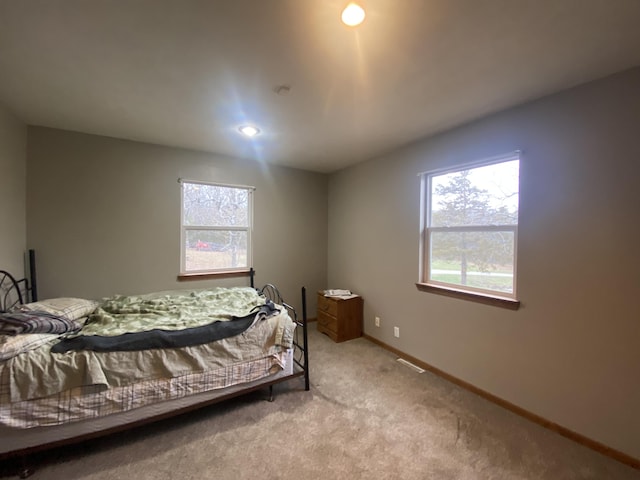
(187, 73)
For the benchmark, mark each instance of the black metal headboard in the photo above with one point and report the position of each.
(11, 292)
(16, 292)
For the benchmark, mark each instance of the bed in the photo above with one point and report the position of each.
(72, 369)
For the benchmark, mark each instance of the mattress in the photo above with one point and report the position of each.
(14, 439)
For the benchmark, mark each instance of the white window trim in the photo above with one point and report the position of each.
(426, 230)
(184, 228)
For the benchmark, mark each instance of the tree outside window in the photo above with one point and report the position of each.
(471, 227)
(216, 227)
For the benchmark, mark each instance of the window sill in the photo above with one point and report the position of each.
(220, 274)
(495, 301)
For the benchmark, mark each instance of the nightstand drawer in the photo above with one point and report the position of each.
(327, 305)
(327, 322)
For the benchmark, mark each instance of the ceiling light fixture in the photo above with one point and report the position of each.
(353, 14)
(249, 130)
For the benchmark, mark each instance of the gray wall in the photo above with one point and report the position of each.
(104, 216)
(572, 352)
(13, 193)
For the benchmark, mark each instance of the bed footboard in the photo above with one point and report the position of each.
(301, 354)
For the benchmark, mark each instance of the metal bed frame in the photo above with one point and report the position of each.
(16, 292)
(302, 360)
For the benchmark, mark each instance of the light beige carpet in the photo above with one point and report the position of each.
(366, 417)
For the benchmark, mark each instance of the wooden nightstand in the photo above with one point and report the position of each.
(340, 318)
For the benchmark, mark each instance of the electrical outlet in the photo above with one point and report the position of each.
(396, 332)
(377, 321)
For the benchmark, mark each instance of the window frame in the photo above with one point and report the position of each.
(227, 271)
(425, 282)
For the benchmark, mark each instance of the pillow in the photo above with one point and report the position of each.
(70, 308)
(35, 322)
(10, 346)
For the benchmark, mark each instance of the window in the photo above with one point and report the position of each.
(216, 227)
(470, 228)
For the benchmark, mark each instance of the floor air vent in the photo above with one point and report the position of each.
(411, 365)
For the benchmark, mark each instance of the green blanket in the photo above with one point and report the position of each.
(174, 310)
